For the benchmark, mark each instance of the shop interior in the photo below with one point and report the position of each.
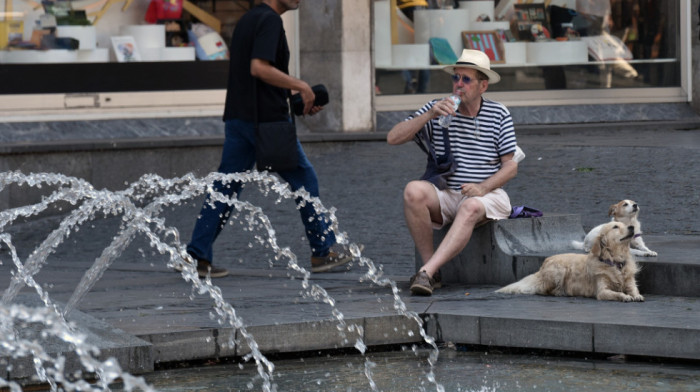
(83, 46)
(534, 45)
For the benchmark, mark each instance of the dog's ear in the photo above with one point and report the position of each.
(611, 210)
(598, 246)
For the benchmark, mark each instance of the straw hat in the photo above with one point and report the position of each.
(474, 59)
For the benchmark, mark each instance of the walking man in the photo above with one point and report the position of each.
(259, 67)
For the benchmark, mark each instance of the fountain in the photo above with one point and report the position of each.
(140, 207)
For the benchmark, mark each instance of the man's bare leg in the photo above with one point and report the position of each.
(470, 213)
(421, 208)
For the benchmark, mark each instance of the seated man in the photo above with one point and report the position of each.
(482, 140)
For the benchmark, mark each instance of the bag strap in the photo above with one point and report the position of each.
(419, 138)
(446, 141)
(422, 138)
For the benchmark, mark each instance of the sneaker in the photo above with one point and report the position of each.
(204, 267)
(330, 261)
(422, 284)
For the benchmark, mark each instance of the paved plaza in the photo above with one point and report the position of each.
(567, 170)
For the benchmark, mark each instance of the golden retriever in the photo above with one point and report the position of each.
(625, 212)
(606, 272)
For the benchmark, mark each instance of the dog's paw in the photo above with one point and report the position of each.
(638, 298)
(626, 298)
(643, 253)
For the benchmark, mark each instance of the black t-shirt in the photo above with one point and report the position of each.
(258, 34)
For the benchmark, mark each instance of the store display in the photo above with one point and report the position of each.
(38, 56)
(50, 41)
(556, 52)
(486, 41)
(433, 37)
(106, 5)
(203, 16)
(65, 25)
(146, 36)
(175, 32)
(526, 38)
(486, 25)
(213, 47)
(208, 43)
(65, 14)
(37, 36)
(159, 10)
(405, 28)
(607, 47)
(415, 56)
(530, 22)
(566, 22)
(10, 31)
(505, 35)
(515, 52)
(46, 21)
(479, 10)
(184, 53)
(441, 52)
(125, 49)
(97, 55)
(447, 24)
(86, 35)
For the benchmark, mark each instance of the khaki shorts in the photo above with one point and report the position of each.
(496, 203)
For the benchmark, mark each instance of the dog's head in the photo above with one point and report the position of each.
(624, 210)
(613, 242)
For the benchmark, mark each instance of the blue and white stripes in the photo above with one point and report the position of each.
(477, 143)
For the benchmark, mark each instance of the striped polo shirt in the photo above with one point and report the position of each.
(477, 143)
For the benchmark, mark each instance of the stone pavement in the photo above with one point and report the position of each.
(567, 170)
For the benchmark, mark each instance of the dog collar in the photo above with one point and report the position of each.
(637, 235)
(612, 263)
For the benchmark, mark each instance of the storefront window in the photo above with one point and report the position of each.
(534, 45)
(59, 46)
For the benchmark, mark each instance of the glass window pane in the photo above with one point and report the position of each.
(105, 45)
(568, 45)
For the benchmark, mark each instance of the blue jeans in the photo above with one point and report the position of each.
(238, 156)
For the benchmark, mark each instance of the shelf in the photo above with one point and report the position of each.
(611, 62)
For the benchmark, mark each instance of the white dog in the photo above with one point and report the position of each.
(626, 213)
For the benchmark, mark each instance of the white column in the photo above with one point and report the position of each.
(335, 49)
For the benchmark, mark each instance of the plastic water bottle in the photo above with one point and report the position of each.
(445, 120)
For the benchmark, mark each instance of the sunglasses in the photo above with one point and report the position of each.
(465, 79)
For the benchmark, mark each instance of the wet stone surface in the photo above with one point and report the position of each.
(363, 181)
(457, 370)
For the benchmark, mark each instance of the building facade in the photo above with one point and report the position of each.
(559, 59)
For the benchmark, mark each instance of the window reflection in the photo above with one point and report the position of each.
(560, 45)
(99, 31)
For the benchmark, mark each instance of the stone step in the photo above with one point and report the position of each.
(662, 326)
(502, 252)
(135, 356)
